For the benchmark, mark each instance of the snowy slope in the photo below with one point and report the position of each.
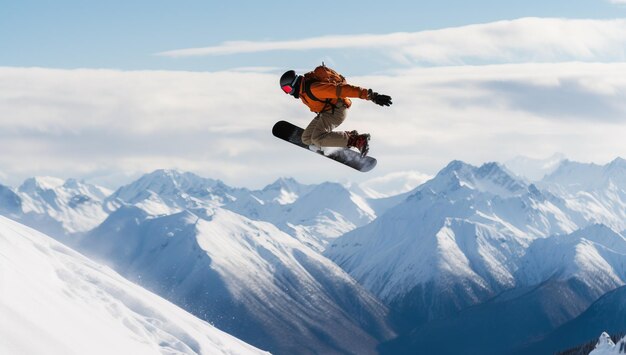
(247, 277)
(55, 301)
(594, 256)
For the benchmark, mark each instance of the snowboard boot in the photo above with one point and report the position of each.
(359, 141)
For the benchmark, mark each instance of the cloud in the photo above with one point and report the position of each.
(99, 123)
(394, 183)
(568, 99)
(521, 40)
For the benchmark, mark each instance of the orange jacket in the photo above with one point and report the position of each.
(323, 91)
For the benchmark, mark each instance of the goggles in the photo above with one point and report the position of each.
(288, 88)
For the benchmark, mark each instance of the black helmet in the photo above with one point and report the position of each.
(288, 81)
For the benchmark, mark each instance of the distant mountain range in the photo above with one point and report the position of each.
(474, 251)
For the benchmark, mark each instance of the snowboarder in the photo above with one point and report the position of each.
(327, 93)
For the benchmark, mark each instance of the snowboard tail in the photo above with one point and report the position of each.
(293, 134)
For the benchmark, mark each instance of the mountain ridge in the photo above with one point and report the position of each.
(465, 242)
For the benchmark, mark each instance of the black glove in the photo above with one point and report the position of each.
(379, 99)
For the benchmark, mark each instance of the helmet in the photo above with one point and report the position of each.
(288, 81)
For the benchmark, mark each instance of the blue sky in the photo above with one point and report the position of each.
(109, 90)
(127, 34)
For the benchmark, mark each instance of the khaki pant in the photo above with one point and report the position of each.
(320, 131)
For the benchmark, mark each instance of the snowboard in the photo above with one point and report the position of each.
(292, 134)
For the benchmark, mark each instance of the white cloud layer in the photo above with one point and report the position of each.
(108, 125)
(521, 40)
(101, 123)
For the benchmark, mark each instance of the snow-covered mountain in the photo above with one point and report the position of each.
(247, 277)
(559, 278)
(313, 214)
(597, 192)
(593, 256)
(63, 209)
(324, 212)
(55, 301)
(283, 191)
(471, 236)
(474, 233)
(456, 241)
(330, 312)
(165, 192)
(606, 346)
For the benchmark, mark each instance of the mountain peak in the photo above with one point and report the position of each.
(166, 191)
(455, 166)
(605, 346)
(283, 182)
(617, 166)
(489, 177)
(283, 191)
(175, 177)
(167, 181)
(575, 177)
(41, 183)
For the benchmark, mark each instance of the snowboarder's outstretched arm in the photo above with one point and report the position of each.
(323, 90)
(341, 91)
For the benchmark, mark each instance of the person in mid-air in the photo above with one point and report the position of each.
(327, 93)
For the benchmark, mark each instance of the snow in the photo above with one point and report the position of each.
(283, 191)
(606, 346)
(55, 301)
(467, 223)
(76, 206)
(593, 255)
(234, 271)
(315, 214)
(475, 230)
(481, 228)
(596, 193)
